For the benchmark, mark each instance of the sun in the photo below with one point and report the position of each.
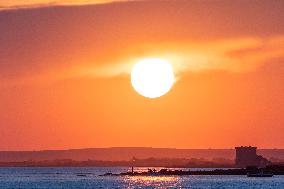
(152, 77)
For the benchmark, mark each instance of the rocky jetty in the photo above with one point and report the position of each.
(276, 170)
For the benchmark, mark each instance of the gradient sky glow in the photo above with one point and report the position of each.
(65, 83)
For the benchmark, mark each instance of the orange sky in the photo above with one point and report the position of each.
(65, 83)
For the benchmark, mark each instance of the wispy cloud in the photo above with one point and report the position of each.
(235, 55)
(20, 4)
(232, 55)
(106, 40)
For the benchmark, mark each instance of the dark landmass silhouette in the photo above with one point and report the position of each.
(267, 171)
(126, 153)
(123, 156)
(149, 162)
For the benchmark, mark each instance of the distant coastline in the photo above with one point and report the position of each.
(149, 162)
(121, 156)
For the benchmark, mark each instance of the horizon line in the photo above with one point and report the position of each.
(116, 147)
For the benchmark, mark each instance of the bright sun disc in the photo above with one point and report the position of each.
(152, 77)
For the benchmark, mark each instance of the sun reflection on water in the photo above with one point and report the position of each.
(147, 181)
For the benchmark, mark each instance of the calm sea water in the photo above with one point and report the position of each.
(69, 178)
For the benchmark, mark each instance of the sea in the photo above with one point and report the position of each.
(88, 178)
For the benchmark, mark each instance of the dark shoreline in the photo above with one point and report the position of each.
(272, 169)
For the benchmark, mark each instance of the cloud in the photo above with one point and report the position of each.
(233, 55)
(105, 40)
(22, 4)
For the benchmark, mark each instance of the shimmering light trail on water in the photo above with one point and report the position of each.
(152, 181)
(87, 178)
